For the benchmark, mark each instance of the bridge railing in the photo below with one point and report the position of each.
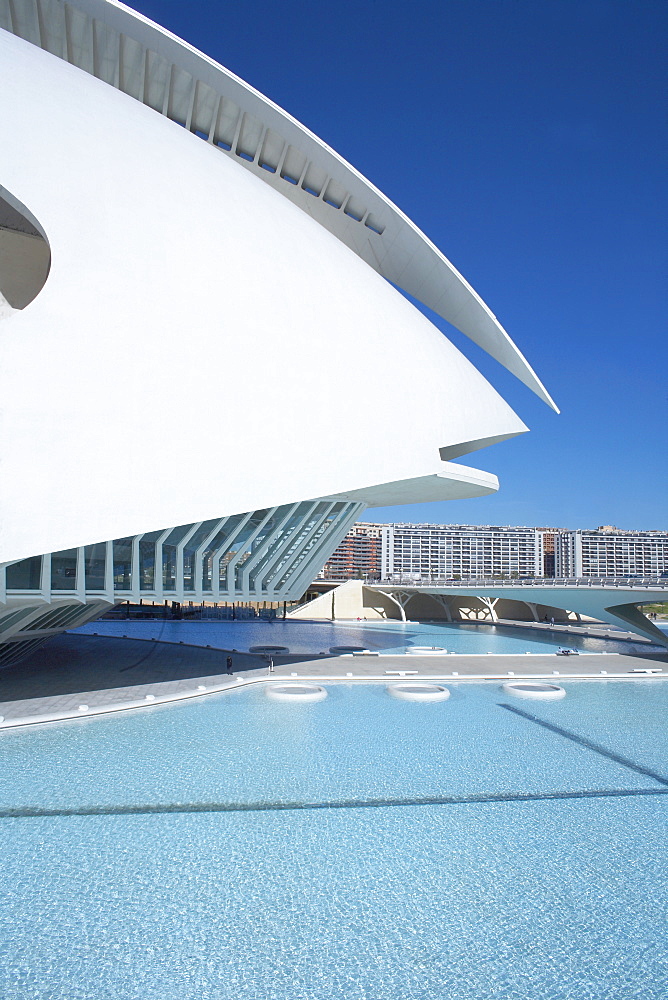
(632, 582)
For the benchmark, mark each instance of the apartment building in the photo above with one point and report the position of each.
(459, 550)
(609, 552)
(358, 557)
(466, 551)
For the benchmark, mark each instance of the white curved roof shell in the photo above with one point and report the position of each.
(132, 53)
(205, 344)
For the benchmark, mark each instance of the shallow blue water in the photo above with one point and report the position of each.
(390, 637)
(556, 897)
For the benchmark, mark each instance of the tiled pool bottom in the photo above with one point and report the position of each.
(416, 903)
(554, 897)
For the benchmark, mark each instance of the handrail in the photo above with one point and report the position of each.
(403, 580)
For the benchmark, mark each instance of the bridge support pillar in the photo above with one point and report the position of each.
(401, 599)
(533, 608)
(442, 599)
(490, 604)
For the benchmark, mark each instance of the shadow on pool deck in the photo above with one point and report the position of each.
(68, 664)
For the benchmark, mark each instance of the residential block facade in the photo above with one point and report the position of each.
(608, 551)
(466, 551)
(358, 557)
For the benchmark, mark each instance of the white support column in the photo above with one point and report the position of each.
(179, 593)
(167, 96)
(194, 87)
(96, 48)
(222, 551)
(300, 179)
(134, 593)
(260, 555)
(286, 570)
(157, 572)
(41, 28)
(273, 565)
(256, 158)
(13, 20)
(81, 575)
(199, 559)
(214, 119)
(215, 560)
(323, 548)
(280, 569)
(68, 34)
(237, 131)
(303, 558)
(57, 30)
(281, 159)
(120, 78)
(143, 74)
(46, 577)
(109, 572)
(232, 565)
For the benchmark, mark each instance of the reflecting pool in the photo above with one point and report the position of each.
(360, 847)
(385, 636)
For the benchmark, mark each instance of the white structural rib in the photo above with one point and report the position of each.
(265, 561)
(135, 55)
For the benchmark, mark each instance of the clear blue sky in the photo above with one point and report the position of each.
(528, 140)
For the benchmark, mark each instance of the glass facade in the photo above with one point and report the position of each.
(216, 545)
(258, 554)
(123, 563)
(169, 552)
(147, 548)
(190, 552)
(95, 564)
(64, 570)
(25, 575)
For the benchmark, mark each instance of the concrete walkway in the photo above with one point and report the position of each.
(76, 676)
(593, 630)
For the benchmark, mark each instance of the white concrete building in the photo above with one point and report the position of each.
(465, 551)
(459, 551)
(150, 199)
(609, 552)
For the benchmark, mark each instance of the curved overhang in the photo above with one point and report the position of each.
(449, 482)
(138, 57)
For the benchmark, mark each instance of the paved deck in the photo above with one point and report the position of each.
(77, 676)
